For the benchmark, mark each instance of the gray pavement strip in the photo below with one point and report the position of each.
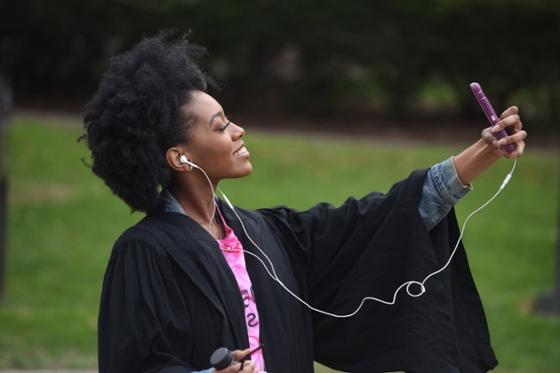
(48, 370)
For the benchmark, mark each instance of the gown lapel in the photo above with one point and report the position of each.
(198, 255)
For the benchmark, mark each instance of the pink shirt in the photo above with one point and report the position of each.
(231, 248)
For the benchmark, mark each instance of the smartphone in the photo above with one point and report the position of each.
(490, 113)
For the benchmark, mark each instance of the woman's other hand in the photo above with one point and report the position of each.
(511, 122)
(236, 366)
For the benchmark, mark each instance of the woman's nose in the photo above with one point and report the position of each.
(238, 131)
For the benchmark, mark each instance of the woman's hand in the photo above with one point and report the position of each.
(235, 367)
(511, 122)
(478, 157)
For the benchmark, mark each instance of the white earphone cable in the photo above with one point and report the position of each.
(272, 271)
(211, 188)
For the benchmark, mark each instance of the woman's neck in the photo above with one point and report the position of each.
(196, 198)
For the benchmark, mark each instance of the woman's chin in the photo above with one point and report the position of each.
(248, 169)
(243, 171)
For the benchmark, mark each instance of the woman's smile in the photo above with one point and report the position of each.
(242, 152)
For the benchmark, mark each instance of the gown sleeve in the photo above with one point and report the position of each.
(368, 247)
(327, 241)
(136, 312)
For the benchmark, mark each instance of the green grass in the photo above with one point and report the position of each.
(63, 221)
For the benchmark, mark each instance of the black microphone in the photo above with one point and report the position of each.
(223, 357)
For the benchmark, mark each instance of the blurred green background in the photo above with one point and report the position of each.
(326, 90)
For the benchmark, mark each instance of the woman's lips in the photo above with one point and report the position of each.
(241, 152)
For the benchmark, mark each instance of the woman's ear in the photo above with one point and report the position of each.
(173, 158)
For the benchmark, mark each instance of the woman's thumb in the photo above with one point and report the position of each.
(240, 354)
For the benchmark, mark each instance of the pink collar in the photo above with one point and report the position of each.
(230, 241)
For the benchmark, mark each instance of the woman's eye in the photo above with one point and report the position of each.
(223, 128)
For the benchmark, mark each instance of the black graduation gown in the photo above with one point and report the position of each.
(169, 298)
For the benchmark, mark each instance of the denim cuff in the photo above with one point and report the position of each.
(450, 187)
(441, 191)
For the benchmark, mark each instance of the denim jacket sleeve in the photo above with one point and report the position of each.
(441, 191)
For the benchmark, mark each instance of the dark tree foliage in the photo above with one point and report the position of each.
(303, 56)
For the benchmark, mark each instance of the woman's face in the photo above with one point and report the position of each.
(215, 143)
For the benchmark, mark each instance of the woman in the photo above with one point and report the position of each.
(190, 277)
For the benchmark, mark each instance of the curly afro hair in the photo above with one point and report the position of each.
(135, 116)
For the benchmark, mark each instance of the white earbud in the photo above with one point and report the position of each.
(184, 160)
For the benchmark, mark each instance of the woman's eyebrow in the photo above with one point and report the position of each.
(219, 113)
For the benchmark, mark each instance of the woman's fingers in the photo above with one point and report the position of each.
(238, 355)
(249, 367)
(517, 138)
(233, 368)
(488, 136)
(518, 152)
(512, 139)
(240, 365)
(492, 141)
(236, 366)
(510, 111)
(512, 121)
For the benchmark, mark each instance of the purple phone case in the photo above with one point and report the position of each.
(490, 113)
